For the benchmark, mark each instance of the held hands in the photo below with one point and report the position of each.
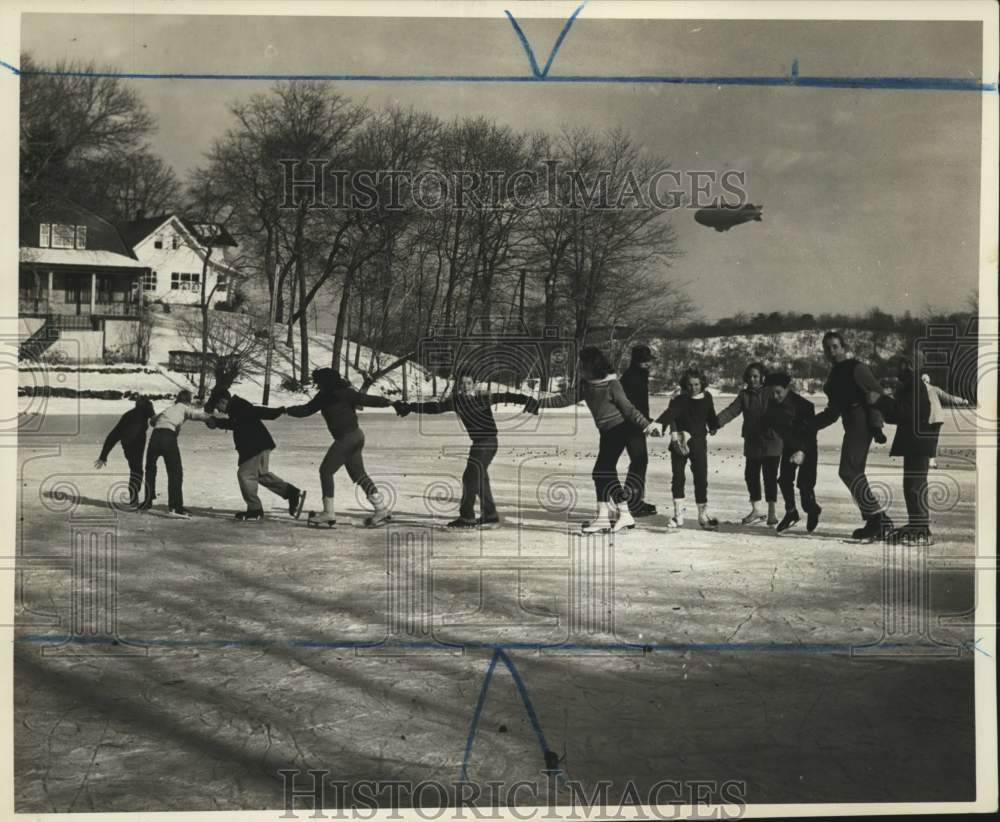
(99, 464)
(401, 408)
(531, 406)
(798, 458)
(653, 431)
(211, 422)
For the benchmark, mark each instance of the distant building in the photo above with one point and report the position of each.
(174, 248)
(79, 285)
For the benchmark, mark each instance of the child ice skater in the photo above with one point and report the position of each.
(690, 416)
(163, 443)
(761, 445)
(254, 445)
(475, 411)
(130, 431)
(338, 401)
(612, 412)
(792, 416)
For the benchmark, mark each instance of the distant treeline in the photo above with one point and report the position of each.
(777, 321)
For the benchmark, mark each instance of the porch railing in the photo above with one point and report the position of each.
(29, 306)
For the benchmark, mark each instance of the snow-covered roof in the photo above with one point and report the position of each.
(82, 257)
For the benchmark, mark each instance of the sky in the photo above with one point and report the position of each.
(871, 197)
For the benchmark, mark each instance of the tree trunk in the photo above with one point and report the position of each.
(345, 299)
(204, 323)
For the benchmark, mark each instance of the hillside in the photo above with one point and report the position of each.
(723, 358)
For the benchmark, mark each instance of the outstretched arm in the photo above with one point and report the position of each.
(307, 409)
(365, 400)
(949, 399)
(431, 407)
(731, 411)
(114, 436)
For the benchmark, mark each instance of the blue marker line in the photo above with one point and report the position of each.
(797, 80)
(347, 644)
(480, 702)
(555, 48)
(523, 691)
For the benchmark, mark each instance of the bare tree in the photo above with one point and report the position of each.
(72, 113)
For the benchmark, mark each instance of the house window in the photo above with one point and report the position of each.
(158, 242)
(63, 236)
(183, 281)
(175, 242)
(149, 281)
(81, 236)
(220, 281)
(43, 235)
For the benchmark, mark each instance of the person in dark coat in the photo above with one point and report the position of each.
(792, 417)
(635, 382)
(847, 388)
(253, 449)
(690, 416)
(130, 431)
(915, 441)
(475, 411)
(762, 447)
(338, 402)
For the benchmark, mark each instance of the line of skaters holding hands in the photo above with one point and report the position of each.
(779, 431)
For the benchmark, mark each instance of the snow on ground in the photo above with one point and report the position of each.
(271, 646)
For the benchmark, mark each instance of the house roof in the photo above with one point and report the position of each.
(90, 258)
(206, 233)
(102, 234)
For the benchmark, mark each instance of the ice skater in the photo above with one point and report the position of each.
(254, 445)
(163, 443)
(792, 416)
(635, 382)
(847, 389)
(599, 388)
(130, 431)
(938, 399)
(338, 401)
(915, 441)
(690, 416)
(474, 409)
(762, 447)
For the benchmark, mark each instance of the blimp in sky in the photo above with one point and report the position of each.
(724, 217)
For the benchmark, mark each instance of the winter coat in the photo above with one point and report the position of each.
(759, 439)
(606, 400)
(475, 411)
(910, 410)
(338, 404)
(249, 434)
(635, 383)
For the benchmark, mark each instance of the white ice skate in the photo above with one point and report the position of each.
(324, 518)
(625, 519)
(380, 516)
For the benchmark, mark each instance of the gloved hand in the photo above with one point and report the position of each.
(678, 447)
(798, 458)
(401, 408)
(531, 406)
(879, 436)
(212, 422)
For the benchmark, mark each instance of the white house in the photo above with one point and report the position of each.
(174, 248)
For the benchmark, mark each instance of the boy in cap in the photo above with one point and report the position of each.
(253, 448)
(163, 443)
(792, 418)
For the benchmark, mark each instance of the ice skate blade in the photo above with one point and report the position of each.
(315, 523)
(371, 522)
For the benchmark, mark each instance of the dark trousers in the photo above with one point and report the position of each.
(346, 451)
(605, 473)
(638, 461)
(163, 443)
(853, 459)
(476, 479)
(806, 474)
(133, 455)
(768, 466)
(698, 457)
(915, 490)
